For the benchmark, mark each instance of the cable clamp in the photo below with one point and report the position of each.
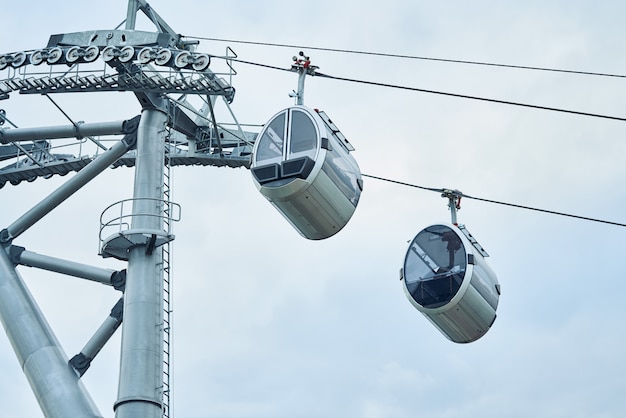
(454, 197)
(302, 63)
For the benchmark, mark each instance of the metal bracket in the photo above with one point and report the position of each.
(118, 310)
(454, 202)
(151, 244)
(15, 254)
(5, 237)
(130, 140)
(131, 125)
(80, 363)
(153, 101)
(129, 128)
(118, 280)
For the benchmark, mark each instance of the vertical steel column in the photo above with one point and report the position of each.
(141, 362)
(300, 93)
(131, 15)
(55, 384)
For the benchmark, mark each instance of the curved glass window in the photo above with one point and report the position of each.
(344, 173)
(435, 266)
(302, 135)
(271, 143)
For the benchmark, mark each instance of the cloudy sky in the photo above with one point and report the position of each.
(268, 324)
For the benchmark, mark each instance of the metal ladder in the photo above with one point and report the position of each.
(167, 293)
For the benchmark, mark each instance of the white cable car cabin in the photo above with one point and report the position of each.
(446, 277)
(302, 164)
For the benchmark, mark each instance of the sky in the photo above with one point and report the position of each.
(269, 324)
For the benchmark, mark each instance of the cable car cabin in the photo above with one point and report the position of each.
(446, 277)
(302, 164)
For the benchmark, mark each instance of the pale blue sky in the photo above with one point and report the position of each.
(268, 324)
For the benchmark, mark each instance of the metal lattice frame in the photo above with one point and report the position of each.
(153, 66)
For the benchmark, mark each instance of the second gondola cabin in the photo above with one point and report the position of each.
(446, 278)
(302, 164)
